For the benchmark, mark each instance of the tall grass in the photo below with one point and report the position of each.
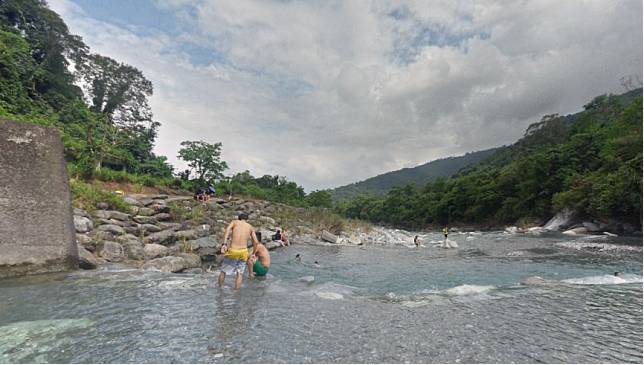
(86, 196)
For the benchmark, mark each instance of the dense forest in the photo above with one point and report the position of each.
(420, 175)
(107, 125)
(590, 162)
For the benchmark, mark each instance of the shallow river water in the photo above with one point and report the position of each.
(366, 304)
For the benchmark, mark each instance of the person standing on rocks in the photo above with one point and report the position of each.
(236, 256)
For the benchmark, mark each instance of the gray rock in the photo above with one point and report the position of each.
(132, 201)
(575, 231)
(112, 228)
(194, 271)
(205, 242)
(166, 264)
(307, 279)
(134, 250)
(86, 260)
(154, 250)
(192, 260)
(149, 228)
(127, 237)
(202, 230)
(134, 210)
(146, 211)
(111, 251)
(170, 225)
(328, 237)
(115, 222)
(81, 213)
(103, 236)
(271, 245)
(167, 236)
(561, 220)
(132, 229)
(144, 219)
(105, 214)
(119, 215)
(178, 199)
(84, 240)
(83, 224)
(592, 227)
(163, 217)
(159, 208)
(190, 234)
(103, 205)
(146, 201)
(160, 197)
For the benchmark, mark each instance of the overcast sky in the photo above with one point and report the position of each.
(331, 92)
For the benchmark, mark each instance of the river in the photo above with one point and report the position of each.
(385, 303)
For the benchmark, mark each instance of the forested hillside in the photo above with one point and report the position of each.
(590, 162)
(420, 175)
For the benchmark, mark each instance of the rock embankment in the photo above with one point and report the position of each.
(179, 234)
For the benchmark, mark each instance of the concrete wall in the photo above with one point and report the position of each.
(36, 225)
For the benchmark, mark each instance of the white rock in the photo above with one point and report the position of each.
(83, 224)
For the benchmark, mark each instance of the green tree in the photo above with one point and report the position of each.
(204, 159)
(319, 198)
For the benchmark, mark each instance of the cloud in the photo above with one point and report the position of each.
(328, 93)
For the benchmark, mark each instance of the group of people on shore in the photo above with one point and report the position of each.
(237, 258)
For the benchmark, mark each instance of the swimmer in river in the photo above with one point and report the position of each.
(416, 241)
(298, 258)
(618, 274)
(260, 260)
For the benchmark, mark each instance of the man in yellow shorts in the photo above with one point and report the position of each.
(236, 256)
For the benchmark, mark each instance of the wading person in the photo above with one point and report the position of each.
(260, 260)
(236, 256)
(445, 233)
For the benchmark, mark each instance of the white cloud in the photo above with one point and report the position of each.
(328, 93)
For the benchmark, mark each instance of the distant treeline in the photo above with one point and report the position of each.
(590, 162)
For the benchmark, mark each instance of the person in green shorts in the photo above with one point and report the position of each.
(259, 261)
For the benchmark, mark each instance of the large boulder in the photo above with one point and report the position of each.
(192, 260)
(167, 236)
(154, 250)
(561, 220)
(86, 260)
(112, 228)
(328, 237)
(111, 251)
(83, 224)
(166, 264)
(591, 227)
(134, 250)
(81, 212)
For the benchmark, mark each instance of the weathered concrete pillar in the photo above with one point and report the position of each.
(36, 225)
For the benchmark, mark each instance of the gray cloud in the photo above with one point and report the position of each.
(328, 93)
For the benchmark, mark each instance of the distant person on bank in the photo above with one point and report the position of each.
(236, 256)
(260, 260)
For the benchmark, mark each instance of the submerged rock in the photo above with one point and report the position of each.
(166, 264)
(307, 279)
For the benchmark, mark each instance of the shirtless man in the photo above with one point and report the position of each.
(236, 256)
(259, 261)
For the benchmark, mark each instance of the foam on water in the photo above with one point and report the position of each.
(468, 289)
(599, 246)
(605, 280)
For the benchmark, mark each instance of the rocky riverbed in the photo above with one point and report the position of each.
(179, 234)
